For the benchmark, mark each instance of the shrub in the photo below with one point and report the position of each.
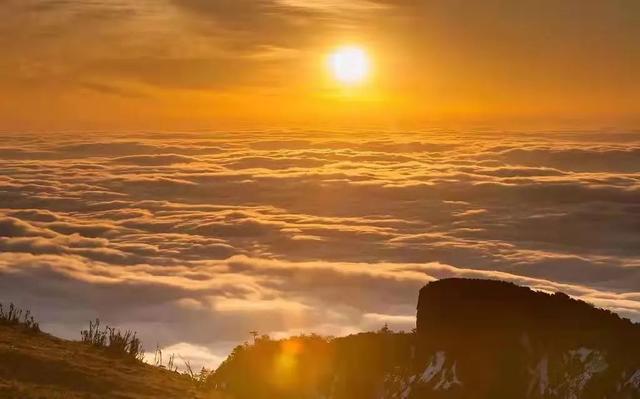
(158, 362)
(14, 316)
(122, 343)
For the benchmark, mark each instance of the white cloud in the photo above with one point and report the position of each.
(196, 239)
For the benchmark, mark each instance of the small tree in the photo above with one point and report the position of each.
(385, 329)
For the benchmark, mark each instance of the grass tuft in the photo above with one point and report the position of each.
(13, 316)
(115, 341)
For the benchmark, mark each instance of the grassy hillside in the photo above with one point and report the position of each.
(38, 366)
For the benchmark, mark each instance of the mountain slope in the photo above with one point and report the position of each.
(505, 341)
(474, 339)
(37, 365)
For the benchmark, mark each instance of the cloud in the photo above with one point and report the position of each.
(154, 160)
(195, 239)
(594, 159)
(394, 322)
(12, 227)
(196, 356)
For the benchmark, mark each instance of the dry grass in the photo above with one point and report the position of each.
(116, 342)
(11, 315)
(39, 366)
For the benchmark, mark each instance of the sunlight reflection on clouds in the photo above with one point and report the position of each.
(196, 239)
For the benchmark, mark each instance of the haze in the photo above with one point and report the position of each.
(189, 64)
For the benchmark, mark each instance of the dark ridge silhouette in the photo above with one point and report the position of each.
(475, 339)
(487, 310)
(499, 332)
(503, 306)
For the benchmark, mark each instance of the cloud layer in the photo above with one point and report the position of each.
(196, 239)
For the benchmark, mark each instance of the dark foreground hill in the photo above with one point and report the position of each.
(474, 340)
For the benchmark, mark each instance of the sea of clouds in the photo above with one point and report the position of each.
(195, 239)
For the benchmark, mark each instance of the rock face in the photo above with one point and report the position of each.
(474, 339)
(509, 341)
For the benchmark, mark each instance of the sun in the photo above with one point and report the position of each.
(350, 65)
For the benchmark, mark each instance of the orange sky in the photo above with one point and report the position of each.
(192, 64)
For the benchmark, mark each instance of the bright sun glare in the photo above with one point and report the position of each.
(350, 65)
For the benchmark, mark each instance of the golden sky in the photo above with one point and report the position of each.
(203, 64)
